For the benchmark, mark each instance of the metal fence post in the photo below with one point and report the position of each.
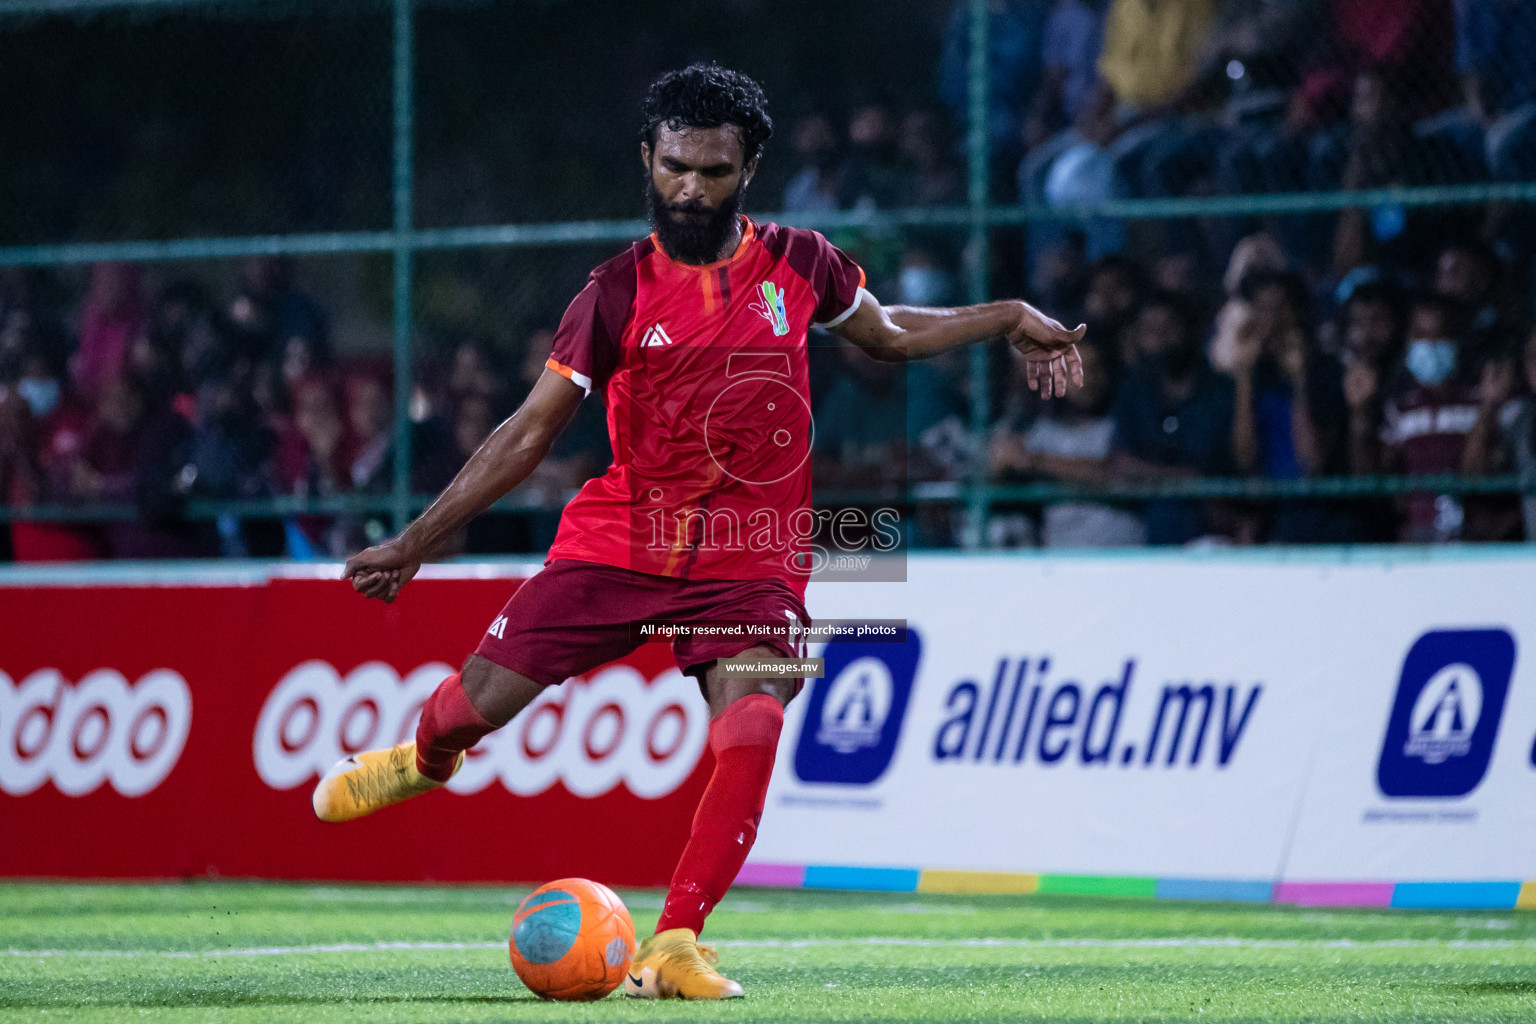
(403, 253)
(978, 265)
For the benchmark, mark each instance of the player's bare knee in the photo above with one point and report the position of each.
(722, 690)
(498, 693)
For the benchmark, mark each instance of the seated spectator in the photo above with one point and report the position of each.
(1375, 320)
(1468, 272)
(1302, 151)
(303, 357)
(30, 316)
(1160, 324)
(1231, 75)
(1069, 54)
(1496, 55)
(270, 403)
(472, 367)
(474, 371)
(1014, 34)
(228, 453)
(1289, 419)
(1410, 44)
(113, 315)
(922, 281)
(369, 451)
(368, 448)
(311, 463)
(1116, 285)
(872, 174)
(1182, 272)
(270, 309)
(1173, 419)
(230, 447)
(1071, 442)
(860, 426)
(120, 462)
(1375, 154)
(1427, 416)
(1288, 413)
(932, 179)
(1258, 253)
(181, 332)
(814, 187)
(42, 426)
(1151, 48)
(1504, 438)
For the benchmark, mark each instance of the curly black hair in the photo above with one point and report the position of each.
(708, 96)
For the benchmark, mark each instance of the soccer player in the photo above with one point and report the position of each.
(696, 338)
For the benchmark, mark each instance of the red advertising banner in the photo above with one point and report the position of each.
(178, 730)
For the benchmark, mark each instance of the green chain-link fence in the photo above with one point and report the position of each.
(472, 159)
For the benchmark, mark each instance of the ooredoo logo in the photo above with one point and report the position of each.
(588, 734)
(101, 729)
(855, 712)
(1449, 700)
(314, 717)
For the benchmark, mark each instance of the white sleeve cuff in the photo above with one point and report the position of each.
(845, 314)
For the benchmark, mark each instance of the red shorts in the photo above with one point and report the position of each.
(574, 616)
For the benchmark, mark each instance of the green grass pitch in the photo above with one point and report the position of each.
(244, 952)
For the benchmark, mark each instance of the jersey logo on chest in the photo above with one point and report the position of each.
(657, 335)
(771, 308)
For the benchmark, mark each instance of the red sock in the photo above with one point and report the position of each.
(449, 724)
(744, 739)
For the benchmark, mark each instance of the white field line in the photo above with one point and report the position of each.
(1168, 943)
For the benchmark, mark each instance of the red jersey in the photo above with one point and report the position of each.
(1430, 427)
(706, 378)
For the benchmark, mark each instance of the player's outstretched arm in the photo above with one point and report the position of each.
(899, 333)
(502, 462)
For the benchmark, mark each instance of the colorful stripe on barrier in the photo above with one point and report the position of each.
(1482, 895)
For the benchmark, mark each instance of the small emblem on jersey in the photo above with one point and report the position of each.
(499, 628)
(771, 308)
(657, 335)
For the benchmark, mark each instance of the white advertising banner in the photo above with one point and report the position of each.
(1314, 716)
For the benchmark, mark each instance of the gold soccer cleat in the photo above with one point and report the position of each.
(370, 781)
(673, 965)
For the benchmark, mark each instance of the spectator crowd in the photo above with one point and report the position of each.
(1385, 340)
(1379, 341)
(157, 401)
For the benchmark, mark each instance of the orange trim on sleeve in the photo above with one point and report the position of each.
(571, 374)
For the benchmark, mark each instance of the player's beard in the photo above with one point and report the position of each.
(691, 232)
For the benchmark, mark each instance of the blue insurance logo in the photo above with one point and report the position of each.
(1449, 701)
(854, 719)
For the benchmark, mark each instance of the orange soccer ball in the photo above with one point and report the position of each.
(572, 940)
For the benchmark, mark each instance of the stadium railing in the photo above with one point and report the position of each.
(403, 241)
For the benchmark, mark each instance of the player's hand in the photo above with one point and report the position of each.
(1050, 354)
(380, 571)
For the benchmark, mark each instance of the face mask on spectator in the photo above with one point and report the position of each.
(1431, 360)
(923, 286)
(40, 394)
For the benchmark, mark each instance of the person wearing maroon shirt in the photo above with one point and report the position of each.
(1427, 417)
(696, 339)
